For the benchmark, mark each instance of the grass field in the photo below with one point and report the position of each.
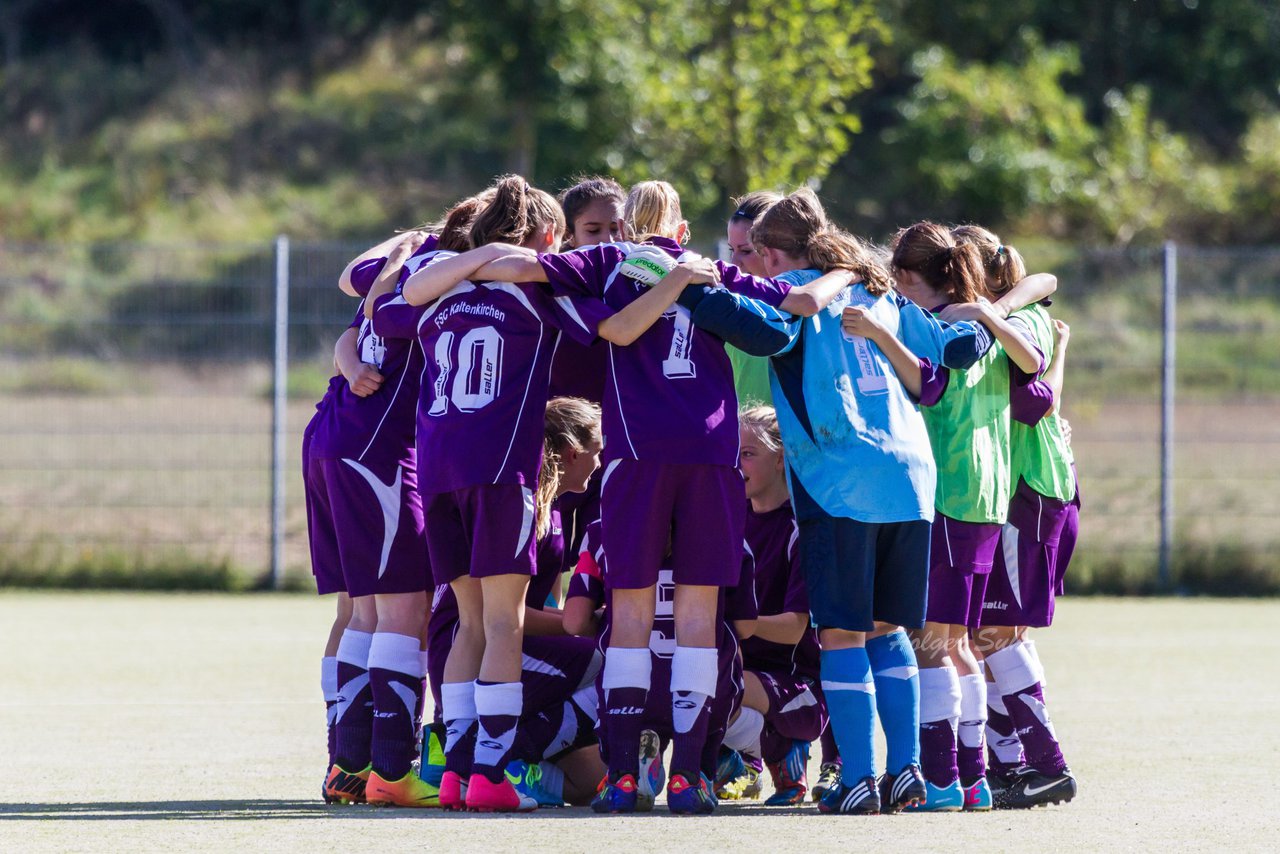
(193, 722)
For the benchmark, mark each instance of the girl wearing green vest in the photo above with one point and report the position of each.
(969, 431)
(1039, 534)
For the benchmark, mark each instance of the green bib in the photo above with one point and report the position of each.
(969, 432)
(750, 378)
(1041, 456)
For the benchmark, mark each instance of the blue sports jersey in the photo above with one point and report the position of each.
(854, 438)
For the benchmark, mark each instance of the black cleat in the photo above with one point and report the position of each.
(1033, 789)
(902, 789)
(858, 799)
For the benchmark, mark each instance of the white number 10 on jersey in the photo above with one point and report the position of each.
(477, 380)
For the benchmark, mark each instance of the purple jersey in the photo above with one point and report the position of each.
(347, 426)
(483, 394)
(366, 272)
(779, 580)
(553, 554)
(590, 580)
(580, 370)
(669, 396)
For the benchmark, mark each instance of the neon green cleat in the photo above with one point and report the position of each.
(409, 791)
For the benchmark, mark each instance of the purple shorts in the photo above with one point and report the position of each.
(1067, 542)
(365, 529)
(960, 558)
(697, 508)
(795, 712)
(1023, 581)
(481, 531)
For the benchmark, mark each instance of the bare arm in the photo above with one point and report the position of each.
(809, 299)
(390, 275)
(364, 379)
(745, 628)
(1054, 375)
(435, 280)
(382, 250)
(547, 621)
(785, 628)
(630, 323)
(580, 617)
(1027, 291)
(1020, 351)
(858, 321)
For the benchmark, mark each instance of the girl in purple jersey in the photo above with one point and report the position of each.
(479, 420)
(593, 215)
(671, 446)
(782, 711)
(1024, 576)
(365, 521)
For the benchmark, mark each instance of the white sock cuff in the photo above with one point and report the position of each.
(625, 667)
(424, 663)
(994, 701)
(939, 694)
(329, 677)
(1034, 654)
(397, 653)
(500, 698)
(1013, 669)
(695, 668)
(458, 701)
(744, 733)
(353, 648)
(973, 697)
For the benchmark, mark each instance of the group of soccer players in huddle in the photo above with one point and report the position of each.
(533, 387)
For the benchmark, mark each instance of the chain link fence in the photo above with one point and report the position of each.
(136, 411)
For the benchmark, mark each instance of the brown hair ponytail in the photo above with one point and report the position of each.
(952, 268)
(798, 227)
(516, 213)
(1001, 263)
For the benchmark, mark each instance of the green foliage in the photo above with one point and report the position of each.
(741, 94)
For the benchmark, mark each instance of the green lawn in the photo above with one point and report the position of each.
(154, 722)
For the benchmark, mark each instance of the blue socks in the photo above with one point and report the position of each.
(851, 703)
(893, 662)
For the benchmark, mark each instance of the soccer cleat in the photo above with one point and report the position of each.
(432, 760)
(1000, 779)
(977, 798)
(689, 797)
(728, 769)
(616, 796)
(859, 799)
(409, 791)
(528, 781)
(484, 795)
(790, 783)
(748, 786)
(652, 775)
(1033, 789)
(346, 787)
(453, 791)
(946, 799)
(828, 779)
(902, 790)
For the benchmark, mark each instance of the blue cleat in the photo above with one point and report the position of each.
(685, 797)
(652, 775)
(978, 798)
(790, 782)
(528, 781)
(432, 760)
(947, 799)
(728, 769)
(616, 796)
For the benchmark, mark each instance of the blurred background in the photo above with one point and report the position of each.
(161, 350)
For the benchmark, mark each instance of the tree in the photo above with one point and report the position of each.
(739, 95)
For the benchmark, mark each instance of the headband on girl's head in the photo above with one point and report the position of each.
(999, 250)
(741, 213)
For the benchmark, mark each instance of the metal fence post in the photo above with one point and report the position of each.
(279, 399)
(1167, 366)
